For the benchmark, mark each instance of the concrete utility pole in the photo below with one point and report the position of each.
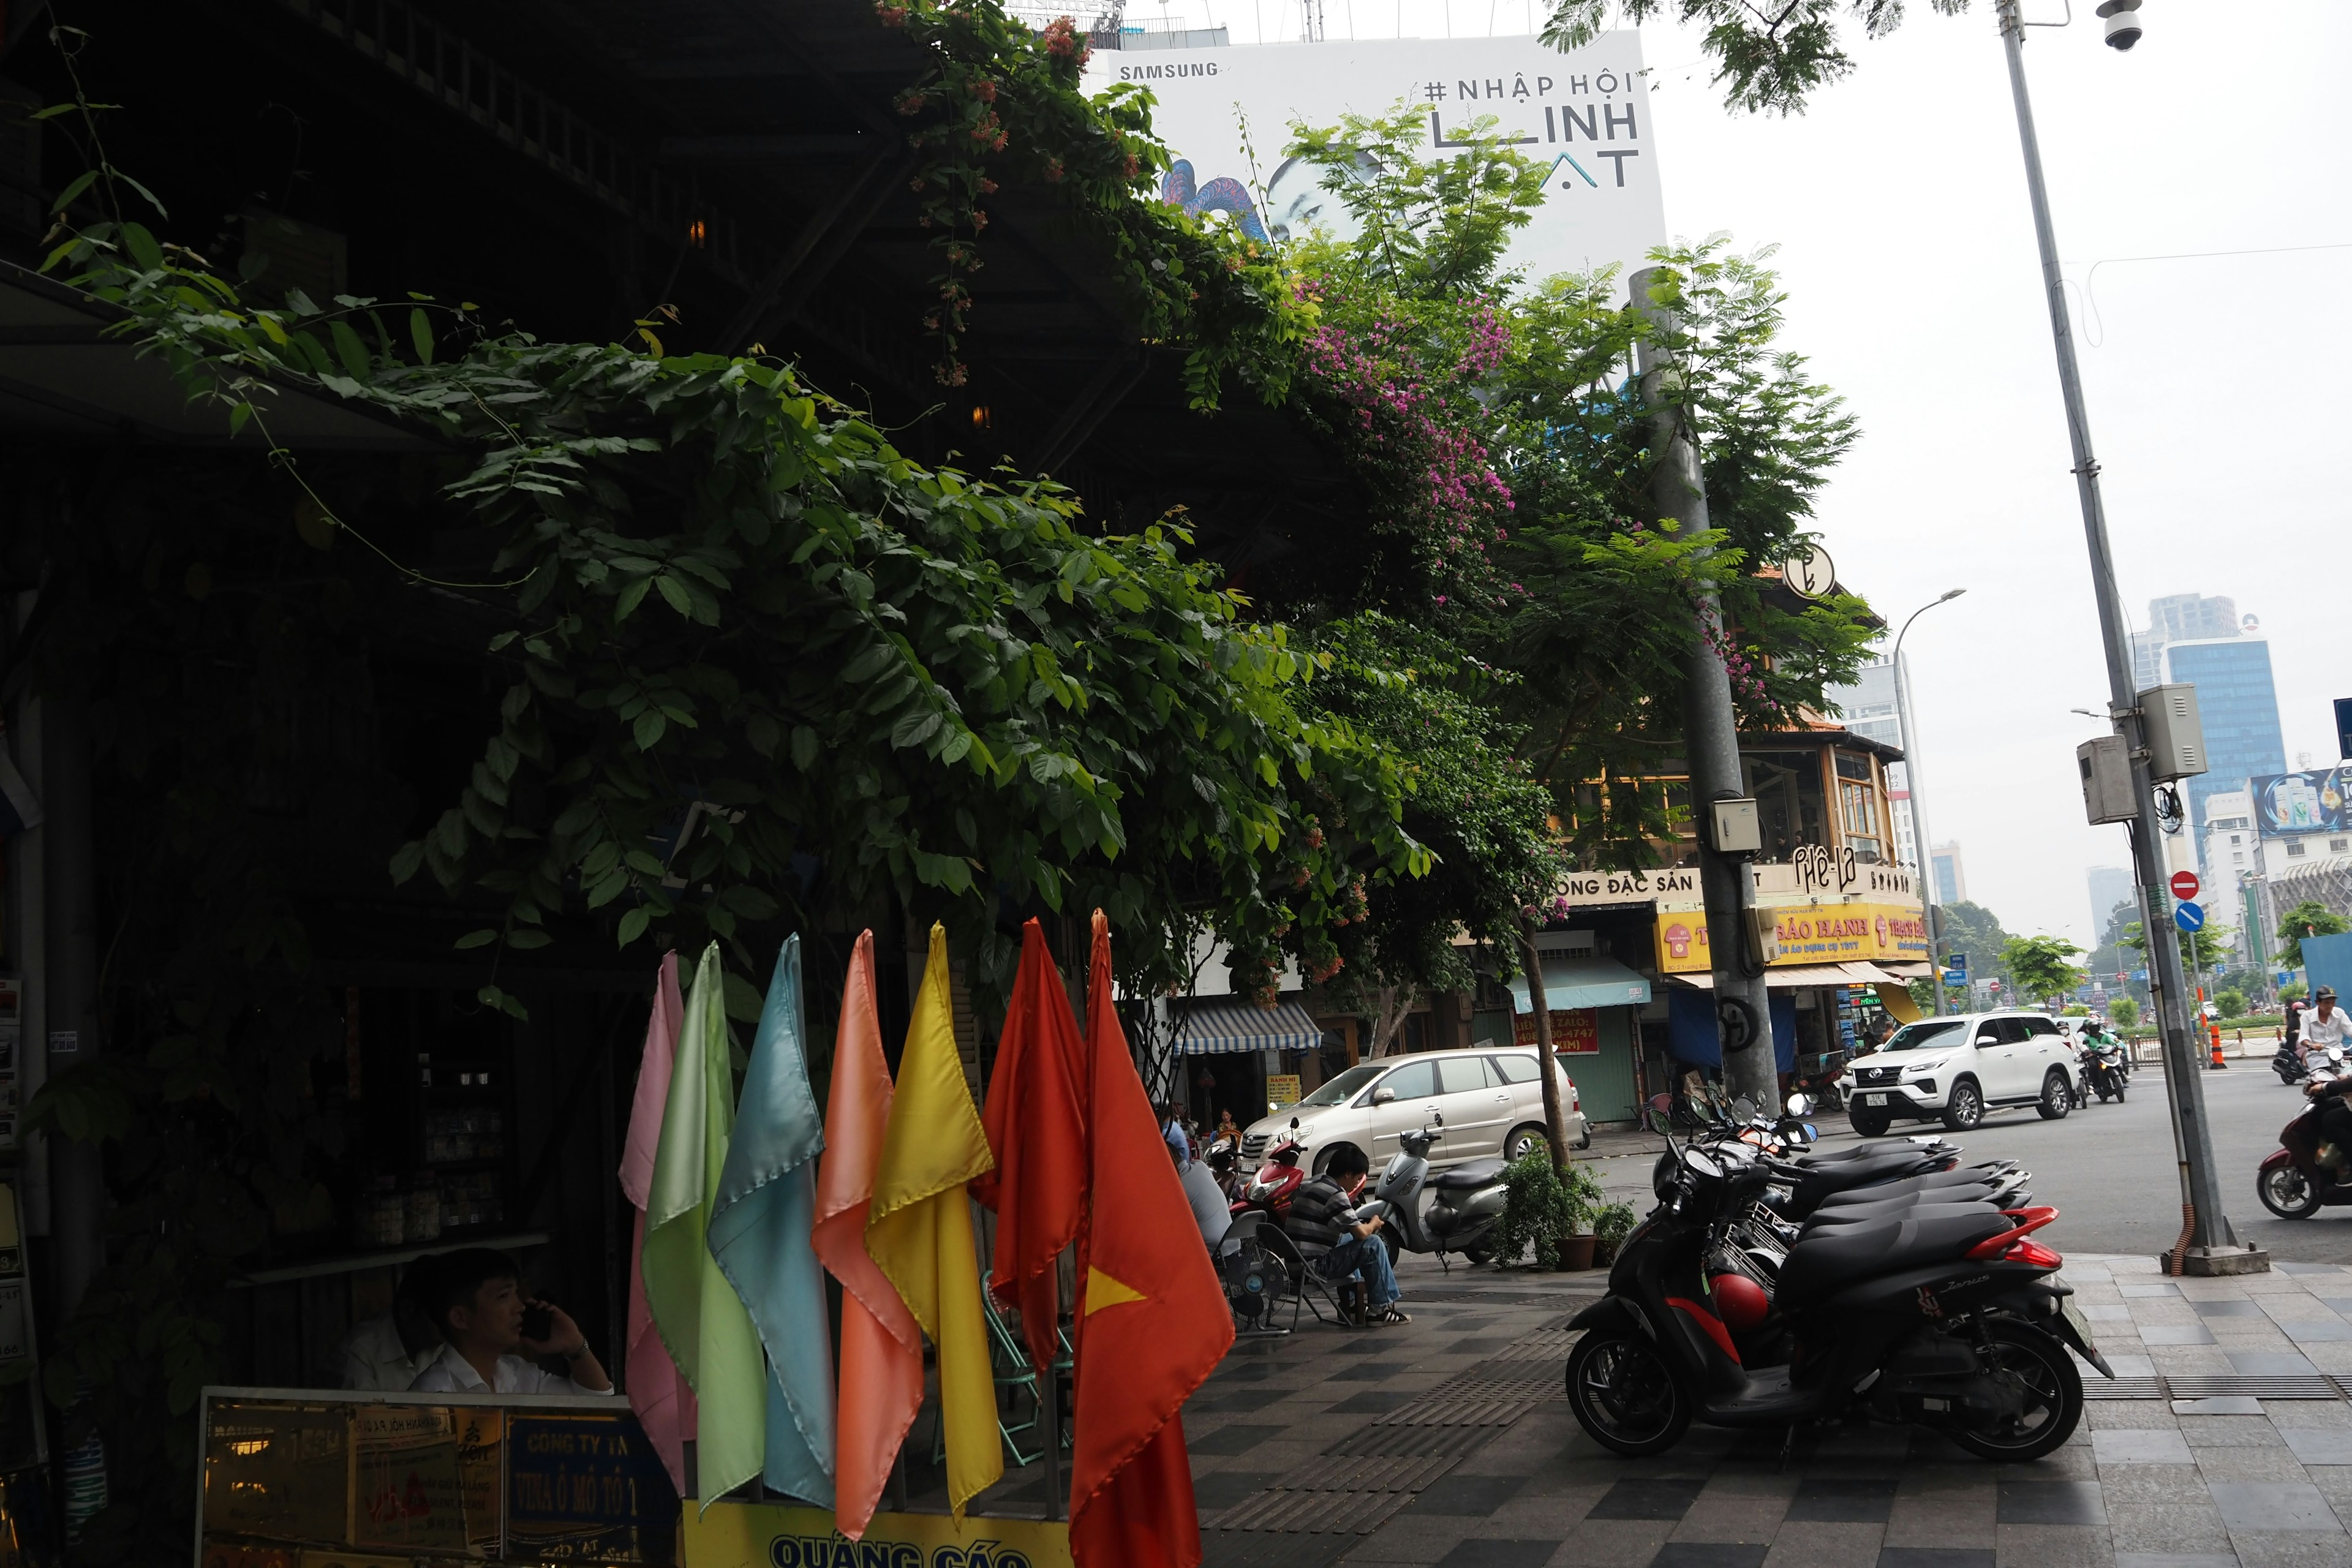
(1928, 900)
(2206, 1245)
(1710, 728)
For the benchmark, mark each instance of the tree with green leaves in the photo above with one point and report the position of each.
(2230, 1003)
(1769, 54)
(2309, 918)
(2122, 1012)
(2043, 966)
(2207, 951)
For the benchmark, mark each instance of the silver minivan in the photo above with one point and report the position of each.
(1489, 1098)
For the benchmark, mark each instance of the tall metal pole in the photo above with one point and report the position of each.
(2206, 1245)
(1927, 848)
(1710, 727)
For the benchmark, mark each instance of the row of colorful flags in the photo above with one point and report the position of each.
(744, 1206)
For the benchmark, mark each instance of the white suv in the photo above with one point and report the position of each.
(1955, 1069)
(1489, 1096)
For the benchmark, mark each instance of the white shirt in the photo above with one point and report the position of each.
(1212, 1210)
(2335, 1031)
(373, 1358)
(450, 1373)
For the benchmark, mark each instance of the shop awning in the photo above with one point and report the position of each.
(1583, 982)
(1791, 977)
(1867, 973)
(1223, 1028)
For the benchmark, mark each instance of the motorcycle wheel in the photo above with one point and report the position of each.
(2119, 1091)
(2288, 1192)
(1624, 1396)
(2052, 1388)
(1389, 1239)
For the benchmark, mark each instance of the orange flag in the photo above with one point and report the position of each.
(1039, 1186)
(881, 1382)
(1153, 1322)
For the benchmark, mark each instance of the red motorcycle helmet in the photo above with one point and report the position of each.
(1739, 1301)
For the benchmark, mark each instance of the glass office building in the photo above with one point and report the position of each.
(2239, 706)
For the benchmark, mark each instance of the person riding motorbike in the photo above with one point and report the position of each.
(2327, 1026)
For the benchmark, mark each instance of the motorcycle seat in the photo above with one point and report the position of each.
(1878, 1202)
(1469, 1174)
(1871, 1213)
(1818, 1185)
(1902, 1186)
(1821, 1263)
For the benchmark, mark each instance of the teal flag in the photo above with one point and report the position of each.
(760, 1224)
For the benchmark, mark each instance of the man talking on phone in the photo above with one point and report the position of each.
(486, 1319)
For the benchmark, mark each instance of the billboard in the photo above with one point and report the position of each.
(2313, 802)
(1588, 114)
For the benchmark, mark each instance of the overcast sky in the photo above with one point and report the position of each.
(2217, 387)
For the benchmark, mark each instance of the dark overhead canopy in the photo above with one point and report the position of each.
(60, 374)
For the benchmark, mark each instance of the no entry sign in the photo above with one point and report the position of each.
(2184, 884)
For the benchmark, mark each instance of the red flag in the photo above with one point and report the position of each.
(1039, 1186)
(1153, 1322)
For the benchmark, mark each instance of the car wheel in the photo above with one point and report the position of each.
(1870, 1123)
(1524, 1141)
(2057, 1097)
(1965, 1108)
(1323, 1159)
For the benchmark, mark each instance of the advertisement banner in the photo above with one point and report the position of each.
(1575, 1031)
(2313, 802)
(1806, 934)
(764, 1535)
(1587, 114)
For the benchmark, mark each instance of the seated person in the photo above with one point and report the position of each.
(481, 1314)
(1336, 1244)
(383, 1356)
(1212, 1210)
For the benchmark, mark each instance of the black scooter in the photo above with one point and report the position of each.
(1948, 1318)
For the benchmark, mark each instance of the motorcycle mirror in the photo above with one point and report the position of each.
(2336, 1054)
(1744, 1109)
(1294, 1124)
(1799, 1106)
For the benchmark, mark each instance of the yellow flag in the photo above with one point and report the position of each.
(919, 1227)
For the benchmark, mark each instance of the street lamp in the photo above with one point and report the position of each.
(1927, 850)
(2208, 1245)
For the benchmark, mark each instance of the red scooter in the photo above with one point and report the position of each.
(1269, 1188)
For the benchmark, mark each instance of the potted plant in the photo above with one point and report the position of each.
(1610, 1226)
(1548, 1212)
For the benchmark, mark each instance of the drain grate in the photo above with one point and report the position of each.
(2220, 1385)
(1546, 1344)
(1373, 1473)
(1451, 1407)
(1510, 1379)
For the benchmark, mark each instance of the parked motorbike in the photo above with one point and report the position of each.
(2292, 1183)
(1816, 1078)
(1465, 1201)
(1942, 1315)
(1268, 1189)
(2103, 1072)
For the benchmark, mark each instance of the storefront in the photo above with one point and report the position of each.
(1594, 1001)
(1240, 1058)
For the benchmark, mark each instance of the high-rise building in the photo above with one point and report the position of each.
(1951, 879)
(1868, 709)
(2177, 617)
(2238, 707)
(2110, 886)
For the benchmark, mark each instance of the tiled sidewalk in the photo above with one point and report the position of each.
(1446, 1443)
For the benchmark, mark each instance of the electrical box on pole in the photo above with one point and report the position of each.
(2176, 736)
(2106, 779)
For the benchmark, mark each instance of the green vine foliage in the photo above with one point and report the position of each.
(727, 591)
(1543, 1205)
(1003, 103)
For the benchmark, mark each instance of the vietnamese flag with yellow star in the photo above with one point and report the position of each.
(1152, 1323)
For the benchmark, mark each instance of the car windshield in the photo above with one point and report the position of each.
(1346, 1084)
(1924, 1033)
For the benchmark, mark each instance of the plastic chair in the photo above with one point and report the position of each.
(1008, 1361)
(1309, 1285)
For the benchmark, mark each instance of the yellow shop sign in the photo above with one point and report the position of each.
(1806, 933)
(762, 1535)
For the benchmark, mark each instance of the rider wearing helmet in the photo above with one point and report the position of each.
(2326, 1026)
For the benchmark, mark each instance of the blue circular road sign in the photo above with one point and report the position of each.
(2189, 916)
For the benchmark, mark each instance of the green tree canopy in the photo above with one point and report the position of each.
(1769, 54)
(2309, 918)
(2123, 1011)
(2043, 966)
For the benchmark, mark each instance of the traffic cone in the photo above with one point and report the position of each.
(2217, 1047)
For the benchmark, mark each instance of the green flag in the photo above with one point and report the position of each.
(701, 1319)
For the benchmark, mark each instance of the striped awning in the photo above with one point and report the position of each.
(1585, 982)
(1221, 1029)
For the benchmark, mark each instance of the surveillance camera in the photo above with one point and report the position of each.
(2122, 17)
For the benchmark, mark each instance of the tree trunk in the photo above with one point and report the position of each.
(1555, 1113)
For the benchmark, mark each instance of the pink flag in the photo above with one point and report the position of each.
(664, 1403)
